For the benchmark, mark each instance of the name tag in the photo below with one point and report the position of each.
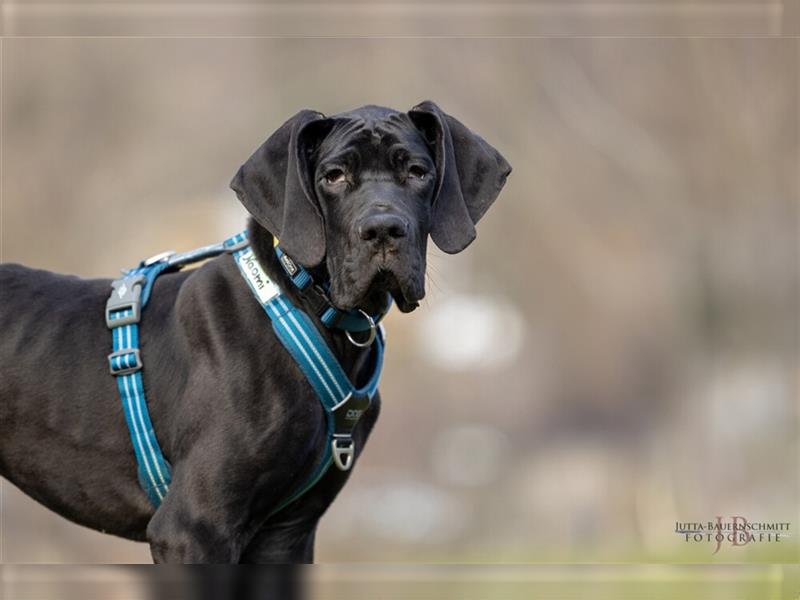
(262, 285)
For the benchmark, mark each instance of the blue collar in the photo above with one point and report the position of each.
(317, 297)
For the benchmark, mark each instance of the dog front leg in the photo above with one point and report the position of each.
(278, 543)
(182, 531)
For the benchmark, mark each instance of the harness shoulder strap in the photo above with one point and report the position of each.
(129, 296)
(123, 311)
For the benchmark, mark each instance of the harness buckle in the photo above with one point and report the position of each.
(316, 297)
(236, 246)
(124, 305)
(157, 258)
(344, 449)
(124, 362)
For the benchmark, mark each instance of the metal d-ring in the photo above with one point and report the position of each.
(372, 330)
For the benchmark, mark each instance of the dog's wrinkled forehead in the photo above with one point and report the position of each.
(368, 129)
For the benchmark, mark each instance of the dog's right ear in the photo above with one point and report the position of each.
(276, 189)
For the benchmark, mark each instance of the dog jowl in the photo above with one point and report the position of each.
(353, 199)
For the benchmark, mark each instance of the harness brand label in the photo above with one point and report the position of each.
(353, 414)
(288, 263)
(265, 288)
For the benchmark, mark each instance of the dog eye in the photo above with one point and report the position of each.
(417, 172)
(334, 176)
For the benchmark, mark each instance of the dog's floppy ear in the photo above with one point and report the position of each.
(471, 174)
(275, 187)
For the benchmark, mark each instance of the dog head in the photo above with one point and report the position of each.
(359, 193)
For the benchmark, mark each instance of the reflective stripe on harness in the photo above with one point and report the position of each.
(343, 403)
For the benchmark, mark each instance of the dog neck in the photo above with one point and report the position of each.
(354, 360)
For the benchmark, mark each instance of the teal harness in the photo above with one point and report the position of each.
(343, 403)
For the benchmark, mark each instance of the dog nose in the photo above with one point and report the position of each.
(383, 228)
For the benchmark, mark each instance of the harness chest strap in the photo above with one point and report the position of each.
(343, 403)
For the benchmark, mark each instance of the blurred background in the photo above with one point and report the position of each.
(617, 351)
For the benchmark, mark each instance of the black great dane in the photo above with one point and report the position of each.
(353, 199)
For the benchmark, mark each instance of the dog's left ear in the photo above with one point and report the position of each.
(275, 187)
(470, 173)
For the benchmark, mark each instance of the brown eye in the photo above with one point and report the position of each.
(417, 172)
(334, 176)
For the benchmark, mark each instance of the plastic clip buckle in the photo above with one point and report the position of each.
(124, 306)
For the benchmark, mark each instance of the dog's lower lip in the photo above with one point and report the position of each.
(370, 294)
(405, 302)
